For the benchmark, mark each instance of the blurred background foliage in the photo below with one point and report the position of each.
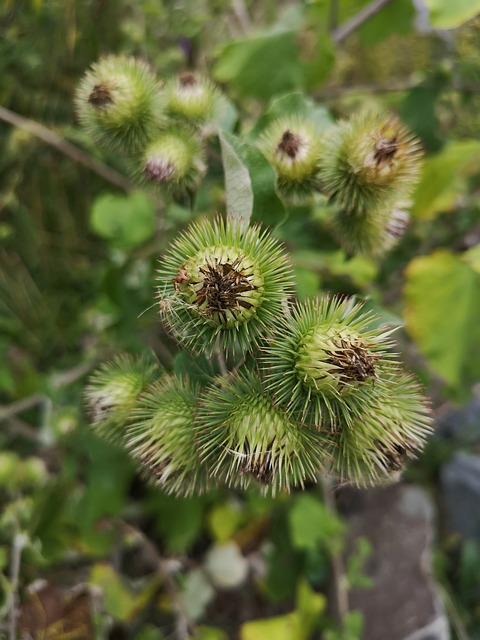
(78, 250)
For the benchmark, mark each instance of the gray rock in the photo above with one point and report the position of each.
(403, 603)
(460, 482)
(461, 424)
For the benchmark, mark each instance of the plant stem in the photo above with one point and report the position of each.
(18, 544)
(67, 148)
(356, 22)
(339, 585)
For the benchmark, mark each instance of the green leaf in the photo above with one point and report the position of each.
(179, 520)
(445, 14)
(127, 221)
(210, 633)
(311, 525)
(318, 53)
(119, 601)
(197, 593)
(261, 66)
(396, 17)
(443, 178)
(223, 520)
(442, 311)
(293, 104)
(238, 184)
(297, 625)
(249, 183)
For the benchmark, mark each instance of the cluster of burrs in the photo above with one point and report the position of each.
(158, 127)
(313, 387)
(367, 166)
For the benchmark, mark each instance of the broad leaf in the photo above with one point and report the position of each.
(261, 66)
(443, 178)
(311, 524)
(445, 14)
(297, 625)
(442, 311)
(127, 221)
(249, 183)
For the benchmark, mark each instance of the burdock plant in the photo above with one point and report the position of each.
(223, 285)
(120, 104)
(294, 389)
(243, 436)
(293, 146)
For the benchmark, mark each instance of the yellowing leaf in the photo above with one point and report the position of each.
(119, 601)
(448, 14)
(442, 312)
(287, 627)
(223, 520)
(443, 178)
(297, 625)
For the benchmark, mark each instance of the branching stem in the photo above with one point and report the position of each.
(358, 20)
(67, 148)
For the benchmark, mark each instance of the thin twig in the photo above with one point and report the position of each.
(241, 14)
(21, 405)
(67, 148)
(356, 22)
(58, 380)
(18, 544)
(184, 625)
(340, 593)
(222, 363)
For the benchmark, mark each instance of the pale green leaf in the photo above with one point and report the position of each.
(443, 178)
(249, 183)
(197, 593)
(472, 258)
(311, 524)
(442, 312)
(297, 625)
(449, 14)
(223, 520)
(119, 601)
(126, 220)
(238, 184)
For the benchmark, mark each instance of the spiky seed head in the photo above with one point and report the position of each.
(174, 161)
(160, 437)
(383, 436)
(292, 146)
(373, 234)
(324, 360)
(369, 161)
(120, 104)
(112, 393)
(223, 284)
(191, 96)
(243, 438)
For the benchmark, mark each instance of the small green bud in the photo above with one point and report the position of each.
(191, 96)
(243, 436)
(161, 437)
(33, 472)
(112, 393)
(120, 104)
(383, 437)
(174, 160)
(325, 359)
(368, 162)
(223, 284)
(293, 147)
